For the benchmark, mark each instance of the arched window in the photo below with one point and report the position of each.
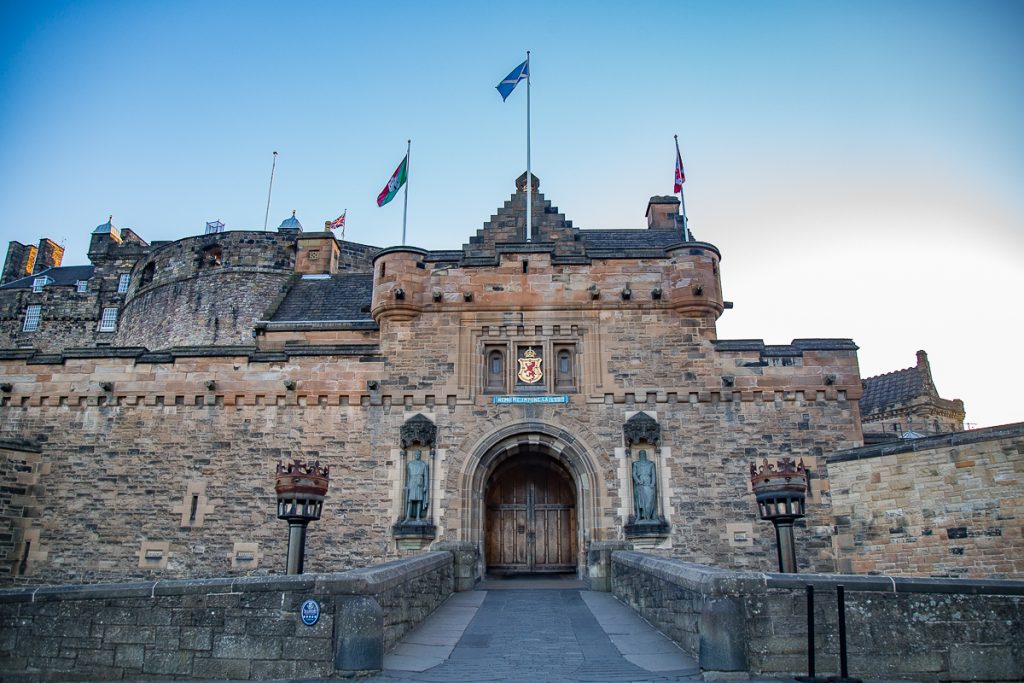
(495, 370)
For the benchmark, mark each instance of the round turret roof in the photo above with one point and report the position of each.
(290, 223)
(105, 227)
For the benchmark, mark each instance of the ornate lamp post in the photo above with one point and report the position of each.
(301, 488)
(781, 491)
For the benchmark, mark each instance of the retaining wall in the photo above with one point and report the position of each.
(244, 628)
(919, 629)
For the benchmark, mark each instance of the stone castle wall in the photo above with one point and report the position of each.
(947, 505)
(68, 319)
(212, 308)
(177, 453)
(206, 290)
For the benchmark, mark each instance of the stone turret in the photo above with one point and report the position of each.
(400, 279)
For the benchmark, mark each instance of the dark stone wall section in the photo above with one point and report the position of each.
(247, 628)
(921, 629)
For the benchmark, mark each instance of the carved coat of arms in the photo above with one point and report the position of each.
(529, 367)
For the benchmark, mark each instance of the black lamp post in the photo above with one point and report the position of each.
(781, 492)
(301, 488)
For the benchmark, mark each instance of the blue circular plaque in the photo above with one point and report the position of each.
(310, 612)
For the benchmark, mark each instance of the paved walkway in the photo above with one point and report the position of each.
(532, 634)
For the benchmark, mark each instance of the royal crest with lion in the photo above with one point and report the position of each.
(530, 367)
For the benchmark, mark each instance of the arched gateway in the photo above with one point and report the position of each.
(529, 496)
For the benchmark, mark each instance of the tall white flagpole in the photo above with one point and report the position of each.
(405, 208)
(529, 173)
(269, 191)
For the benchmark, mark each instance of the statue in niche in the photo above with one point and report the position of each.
(417, 488)
(645, 488)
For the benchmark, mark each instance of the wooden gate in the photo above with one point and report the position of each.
(531, 518)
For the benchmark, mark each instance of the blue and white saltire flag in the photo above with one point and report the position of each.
(512, 80)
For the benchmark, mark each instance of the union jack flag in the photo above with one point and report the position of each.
(339, 222)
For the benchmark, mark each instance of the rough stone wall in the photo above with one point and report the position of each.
(206, 290)
(948, 505)
(68, 319)
(921, 629)
(246, 628)
(219, 308)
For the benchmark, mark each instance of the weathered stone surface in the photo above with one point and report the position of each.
(359, 642)
(949, 505)
(944, 629)
(244, 637)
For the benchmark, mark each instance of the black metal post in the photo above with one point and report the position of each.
(785, 545)
(296, 546)
(811, 677)
(810, 631)
(841, 598)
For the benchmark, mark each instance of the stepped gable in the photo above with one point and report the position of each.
(508, 226)
(338, 298)
(554, 234)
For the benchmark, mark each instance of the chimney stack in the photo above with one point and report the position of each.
(49, 255)
(663, 213)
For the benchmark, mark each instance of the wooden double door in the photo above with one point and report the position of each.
(531, 518)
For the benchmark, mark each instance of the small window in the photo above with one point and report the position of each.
(32, 314)
(39, 283)
(212, 257)
(122, 283)
(147, 274)
(81, 286)
(108, 322)
(495, 371)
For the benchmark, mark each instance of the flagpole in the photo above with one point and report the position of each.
(682, 200)
(405, 208)
(267, 214)
(529, 173)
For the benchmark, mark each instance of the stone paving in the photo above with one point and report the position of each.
(536, 635)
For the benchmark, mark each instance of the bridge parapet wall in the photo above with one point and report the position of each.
(244, 628)
(918, 628)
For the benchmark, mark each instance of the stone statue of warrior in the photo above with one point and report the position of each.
(417, 488)
(644, 488)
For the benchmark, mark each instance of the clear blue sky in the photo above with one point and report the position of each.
(860, 165)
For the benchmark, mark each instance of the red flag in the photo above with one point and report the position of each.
(680, 173)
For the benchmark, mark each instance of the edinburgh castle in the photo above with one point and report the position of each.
(146, 399)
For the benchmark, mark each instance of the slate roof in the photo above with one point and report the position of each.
(599, 243)
(337, 298)
(892, 388)
(65, 276)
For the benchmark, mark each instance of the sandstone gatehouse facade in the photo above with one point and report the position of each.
(146, 399)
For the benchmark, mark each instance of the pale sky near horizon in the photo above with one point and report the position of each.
(859, 165)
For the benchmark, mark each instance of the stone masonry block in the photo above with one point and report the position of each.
(178, 663)
(245, 647)
(209, 667)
